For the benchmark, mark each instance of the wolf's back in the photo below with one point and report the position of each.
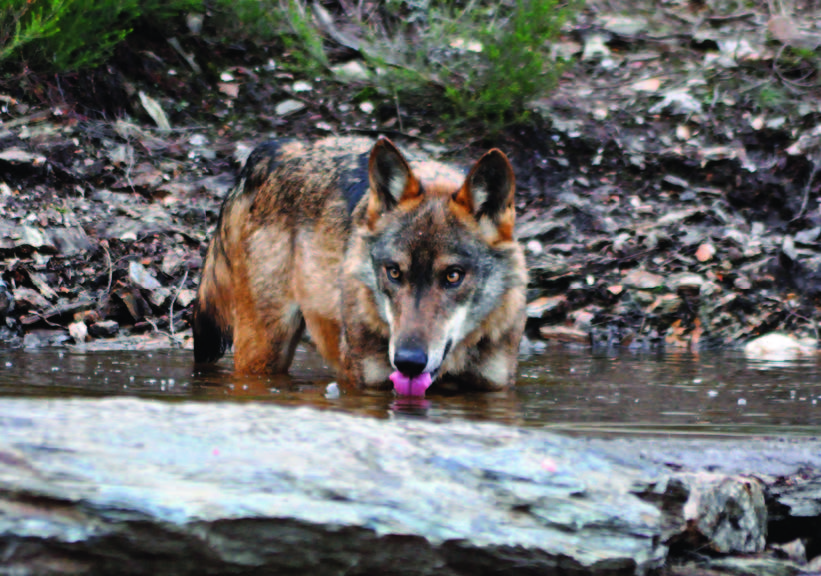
(283, 184)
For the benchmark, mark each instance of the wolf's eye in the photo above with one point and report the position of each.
(454, 277)
(393, 272)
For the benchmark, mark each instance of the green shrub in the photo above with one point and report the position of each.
(516, 64)
(469, 60)
(66, 35)
(479, 60)
(287, 23)
(482, 60)
(22, 23)
(301, 37)
(771, 97)
(258, 21)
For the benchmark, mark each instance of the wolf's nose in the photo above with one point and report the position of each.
(410, 361)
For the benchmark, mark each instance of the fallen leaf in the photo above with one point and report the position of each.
(649, 85)
(18, 156)
(288, 107)
(808, 143)
(677, 101)
(546, 305)
(351, 71)
(32, 298)
(643, 280)
(564, 334)
(155, 111)
(230, 90)
(595, 48)
(705, 252)
(186, 297)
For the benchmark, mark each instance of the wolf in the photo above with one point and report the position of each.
(403, 270)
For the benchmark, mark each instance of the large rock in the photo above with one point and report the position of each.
(726, 514)
(126, 486)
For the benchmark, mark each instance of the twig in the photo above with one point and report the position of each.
(47, 321)
(60, 87)
(467, 10)
(629, 257)
(736, 16)
(30, 119)
(806, 198)
(792, 85)
(157, 330)
(174, 299)
(110, 267)
(129, 165)
(398, 113)
(171, 338)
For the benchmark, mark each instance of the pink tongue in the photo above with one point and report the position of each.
(406, 386)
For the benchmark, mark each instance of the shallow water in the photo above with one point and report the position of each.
(715, 394)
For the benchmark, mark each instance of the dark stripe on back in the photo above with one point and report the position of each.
(353, 183)
(261, 162)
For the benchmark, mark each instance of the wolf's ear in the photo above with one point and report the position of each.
(391, 179)
(489, 190)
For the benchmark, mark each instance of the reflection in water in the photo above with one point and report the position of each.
(561, 389)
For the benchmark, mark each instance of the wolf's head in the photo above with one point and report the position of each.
(441, 251)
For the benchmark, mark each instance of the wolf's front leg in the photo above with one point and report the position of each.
(494, 366)
(365, 360)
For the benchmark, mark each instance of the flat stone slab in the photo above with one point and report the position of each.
(133, 486)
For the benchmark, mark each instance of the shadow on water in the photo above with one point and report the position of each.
(578, 392)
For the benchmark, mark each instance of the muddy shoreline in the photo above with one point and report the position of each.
(120, 249)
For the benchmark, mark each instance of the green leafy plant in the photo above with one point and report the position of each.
(471, 61)
(254, 21)
(288, 23)
(22, 23)
(66, 35)
(303, 40)
(479, 60)
(771, 97)
(515, 64)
